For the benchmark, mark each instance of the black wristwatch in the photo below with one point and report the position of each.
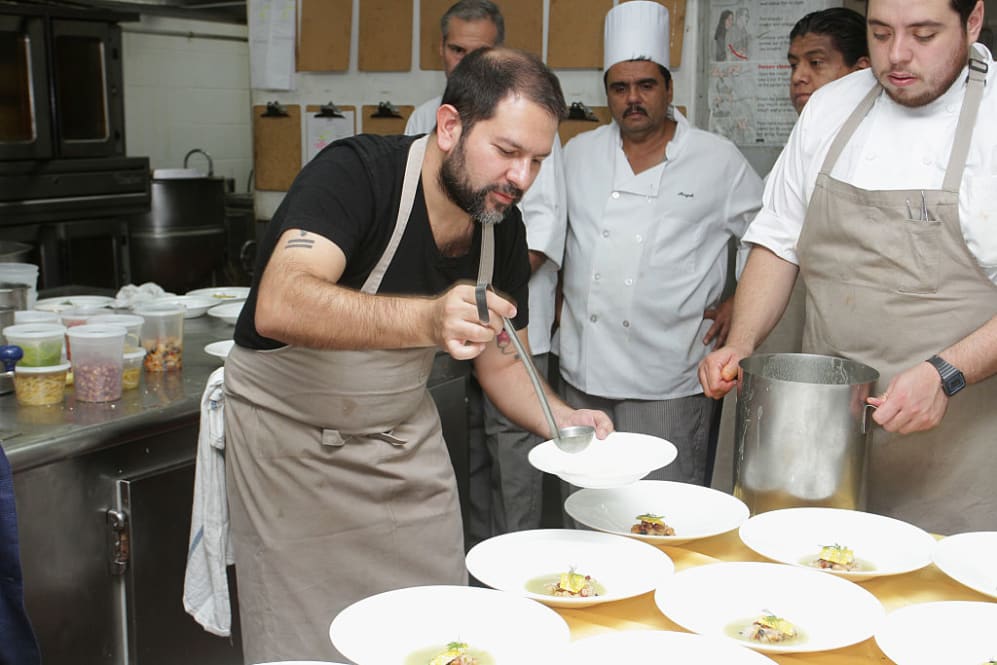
(952, 379)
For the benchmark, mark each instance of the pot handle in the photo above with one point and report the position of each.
(865, 417)
(247, 256)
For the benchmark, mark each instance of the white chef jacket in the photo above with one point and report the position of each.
(894, 148)
(645, 255)
(545, 215)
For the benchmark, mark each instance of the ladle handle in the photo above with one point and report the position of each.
(531, 371)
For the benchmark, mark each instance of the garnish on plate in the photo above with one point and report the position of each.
(649, 524)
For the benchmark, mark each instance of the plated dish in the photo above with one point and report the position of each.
(229, 312)
(850, 543)
(690, 511)
(635, 646)
(567, 567)
(732, 601)
(969, 559)
(68, 302)
(412, 626)
(620, 459)
(950, 632)
(219, 349)
(222, 294)
(194, 306)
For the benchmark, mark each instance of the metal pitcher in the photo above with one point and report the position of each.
(800, 434)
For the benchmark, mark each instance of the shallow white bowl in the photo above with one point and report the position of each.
(219, 349)
(692, 510)
(919, 634)
(970, 559)
(831, 612)
(222, 294)
(637, 646)
(68, 302)
(620, 459)
(794, 535)
(229, 312)
(193, 306)
(387, 628)
(625, 567)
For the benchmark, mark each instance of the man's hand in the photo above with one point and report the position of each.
(593, 418)
(721, 316)
(913, 402)
(456, 326)
(718, 371)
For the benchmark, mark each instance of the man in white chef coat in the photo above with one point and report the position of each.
(506, 492)
(884, 200)
(652, 204)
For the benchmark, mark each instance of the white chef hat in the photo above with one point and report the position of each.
(636, 30)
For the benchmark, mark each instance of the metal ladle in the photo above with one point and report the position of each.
(572, 439)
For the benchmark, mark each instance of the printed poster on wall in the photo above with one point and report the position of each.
(271, 49)
(748, 72)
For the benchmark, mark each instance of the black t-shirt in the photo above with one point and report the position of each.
(350, 193)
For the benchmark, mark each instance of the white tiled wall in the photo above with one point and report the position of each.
(186, 92)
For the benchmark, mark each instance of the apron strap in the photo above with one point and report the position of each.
(486, 266)
(967, 121)
(846, 131)
(410, 184)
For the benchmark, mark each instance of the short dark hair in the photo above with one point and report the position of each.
(845, 27)
(474, 10)
(665, 74)
(486, 76)
(963, 8)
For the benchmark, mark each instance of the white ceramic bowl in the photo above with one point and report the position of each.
(219, 349)
(387, 628)
(620, 459)
(69, 302)
(229, 312)
(940, 633)
(718, 599)
(624, 567)
(194, 306)
(970, 559)
(221, 294)
(644, 646)
(882, 545)
(692, 510)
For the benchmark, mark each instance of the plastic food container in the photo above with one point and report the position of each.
(41, 343)
(131, 369)
(131, 322)
(35, 316)
(98, 359)
(162, 336)
(40, 386)
(25, 274)
(76, 316)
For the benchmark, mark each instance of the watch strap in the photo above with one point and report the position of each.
(952, 379)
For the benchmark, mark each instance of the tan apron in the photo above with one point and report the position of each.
(339, 481)
(890, 291)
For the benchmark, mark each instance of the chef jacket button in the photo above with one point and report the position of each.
(628, 281)
(626, 324)
(616, 195)
(593, 318)
(950, 108)
(640, 238)
(926, 159)
(597, 277)
(871, 156)
(605, 234)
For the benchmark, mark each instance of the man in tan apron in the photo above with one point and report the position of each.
(339, 481)
(896, 276)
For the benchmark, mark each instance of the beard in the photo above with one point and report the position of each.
(458, 188)
(936, 87)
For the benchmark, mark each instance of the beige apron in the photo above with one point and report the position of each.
(339, 481)
(890, 291)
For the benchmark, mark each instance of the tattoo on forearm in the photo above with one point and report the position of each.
(505, 344)
(303, 242)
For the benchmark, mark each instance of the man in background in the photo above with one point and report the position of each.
(652, 204)
(823, 47)
(506, 492)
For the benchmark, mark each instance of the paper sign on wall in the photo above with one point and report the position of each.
(271, 50)
(323, 130)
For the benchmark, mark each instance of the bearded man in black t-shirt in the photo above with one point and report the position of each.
(339, 482)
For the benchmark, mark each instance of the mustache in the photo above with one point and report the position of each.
(634, 108)
(509, 190)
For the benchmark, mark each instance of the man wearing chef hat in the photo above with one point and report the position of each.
(652, 204)
(884, 200)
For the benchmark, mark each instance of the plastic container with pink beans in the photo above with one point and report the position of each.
(98, 359)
